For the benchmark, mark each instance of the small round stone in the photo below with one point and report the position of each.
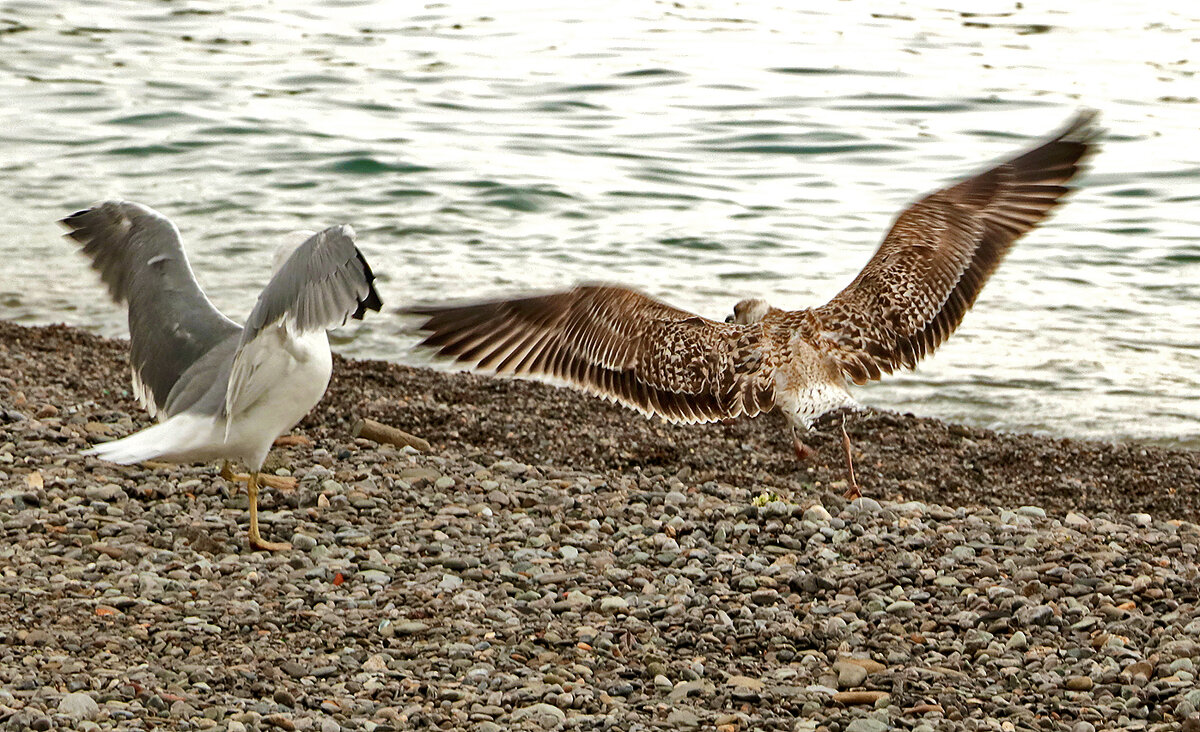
(303, 542)
(1079, 683)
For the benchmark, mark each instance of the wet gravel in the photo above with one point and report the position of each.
(555, 562)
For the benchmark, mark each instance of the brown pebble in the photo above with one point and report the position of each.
(115, 552)
(293, 441)
(858, 697)
(746, 682)
(925, 709)
(46, 410)
(280, 721)
(869, 665)
(1079, 683)
(1141, 668)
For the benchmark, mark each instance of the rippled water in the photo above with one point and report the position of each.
(702, 152)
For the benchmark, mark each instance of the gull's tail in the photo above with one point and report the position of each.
(174, 439)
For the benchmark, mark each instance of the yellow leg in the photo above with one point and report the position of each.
(257, 541)
(278, 482)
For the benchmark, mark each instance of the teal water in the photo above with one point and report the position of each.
(701, 152)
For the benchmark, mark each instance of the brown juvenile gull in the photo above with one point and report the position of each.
(630, 348)
(220, 390)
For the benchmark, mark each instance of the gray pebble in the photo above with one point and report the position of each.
(864, 505)
(410, 627)
(850, 675)
(683, 719)
(867, 724)
(613, 605)
(374, 577)
(79, 706)
(545, 714)
(303, 542)
(1017, 641)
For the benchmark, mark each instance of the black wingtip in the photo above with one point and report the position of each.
(68, 221)
(372, 301)
(75, 222)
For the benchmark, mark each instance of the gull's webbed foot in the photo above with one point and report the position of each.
(257, 542)
(803, 452)
(278, 482)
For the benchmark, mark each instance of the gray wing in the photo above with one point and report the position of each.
(140, 258)
(324, 282)
(201, 389)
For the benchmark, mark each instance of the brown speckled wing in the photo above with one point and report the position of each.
(615, 343)
(939, 253)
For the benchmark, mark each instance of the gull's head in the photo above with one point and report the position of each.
(289, 243)
(749, 311)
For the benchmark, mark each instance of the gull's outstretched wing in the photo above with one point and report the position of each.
(325, 281)
(939, 253)
(615, 343)
(140, 258)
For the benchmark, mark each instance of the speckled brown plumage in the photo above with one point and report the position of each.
(631, 348)
(615, 343)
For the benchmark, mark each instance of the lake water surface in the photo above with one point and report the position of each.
(702, 152)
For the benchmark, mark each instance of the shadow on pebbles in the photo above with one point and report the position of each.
(555, 562)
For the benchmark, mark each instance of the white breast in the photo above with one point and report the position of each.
(290, 376)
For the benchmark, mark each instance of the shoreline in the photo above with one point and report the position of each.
(558, 562)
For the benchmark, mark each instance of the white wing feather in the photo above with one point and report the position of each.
(261, 362)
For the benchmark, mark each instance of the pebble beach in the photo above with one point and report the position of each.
(554, 562)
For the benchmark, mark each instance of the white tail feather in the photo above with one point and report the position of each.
(176, 438)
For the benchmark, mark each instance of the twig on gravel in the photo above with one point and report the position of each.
(379, 432)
